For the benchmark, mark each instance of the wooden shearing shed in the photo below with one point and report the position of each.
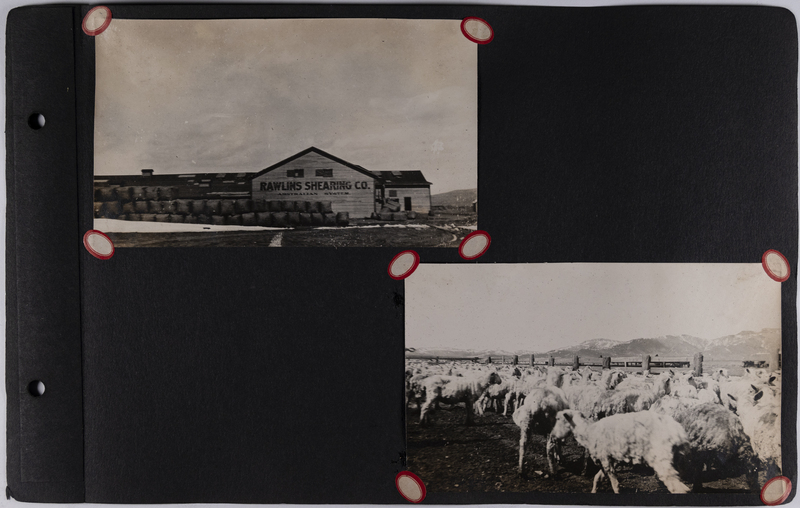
(308, 176)
(315, 175)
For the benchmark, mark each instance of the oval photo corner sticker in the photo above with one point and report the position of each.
(96, 20)
(776, 265)
(410, 486)
(477, 30)
(474, 245)
(98, 244)
(403, 265)
(776, 491)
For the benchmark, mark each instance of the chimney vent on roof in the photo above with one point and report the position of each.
(147, 172)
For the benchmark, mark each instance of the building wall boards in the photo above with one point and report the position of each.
(420, 198)
(314, 177)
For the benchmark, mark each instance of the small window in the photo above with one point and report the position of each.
(392, 193)
(328, 173)
(294, 173)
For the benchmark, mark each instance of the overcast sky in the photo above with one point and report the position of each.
(240, 95)
(541, 307)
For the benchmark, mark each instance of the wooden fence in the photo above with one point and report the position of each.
(644, 363)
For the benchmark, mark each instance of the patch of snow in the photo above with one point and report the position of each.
(128, 226)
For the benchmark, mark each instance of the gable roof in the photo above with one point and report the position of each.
(320, 152)
(402, 178)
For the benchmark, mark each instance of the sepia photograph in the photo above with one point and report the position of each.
(578, 377)
(285, 132)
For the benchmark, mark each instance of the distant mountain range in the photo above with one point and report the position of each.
(463, 197)
(742, 346)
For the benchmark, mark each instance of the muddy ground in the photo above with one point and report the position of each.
(451, 457)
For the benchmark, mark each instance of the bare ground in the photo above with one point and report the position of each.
(451, 457)
(443, 230)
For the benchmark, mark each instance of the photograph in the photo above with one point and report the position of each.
(285, 132)
(593, 377)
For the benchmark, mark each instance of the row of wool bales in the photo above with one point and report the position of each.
(263, 219)
(125, 194)
(113, 208)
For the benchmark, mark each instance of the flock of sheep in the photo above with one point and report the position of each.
(688, 429)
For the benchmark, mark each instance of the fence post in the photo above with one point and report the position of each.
(606, 362)
(645, 363)
(552, 361)
(774, 364)
(533, 360)
(516, 359)
(489, 360)
(697, 364)
(576, 362)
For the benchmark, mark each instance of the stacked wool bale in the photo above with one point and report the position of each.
(160, 204)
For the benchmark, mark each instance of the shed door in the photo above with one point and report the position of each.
(408, 204)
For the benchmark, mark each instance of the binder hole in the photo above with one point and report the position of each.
(36, 388)
(36, 121)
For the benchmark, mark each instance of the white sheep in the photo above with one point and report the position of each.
(537, 416)
(645, 437)
(633, 400)
(610, 379)
(452, 390)
(761, 420)
(754, 400)
(684, 390)
(519, 390)
(415, 391)
(492, 397)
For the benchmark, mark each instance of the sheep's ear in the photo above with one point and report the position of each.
(758, 395)
(568, 417)
(754, 388)
(772, 379)
(747, 370)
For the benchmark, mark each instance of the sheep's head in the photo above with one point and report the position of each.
(494, 378)
(615, 379)
(555, 378)
(665, 386)
(565, 424)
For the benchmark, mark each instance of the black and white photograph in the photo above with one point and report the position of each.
(285, 132)
(578, 377)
